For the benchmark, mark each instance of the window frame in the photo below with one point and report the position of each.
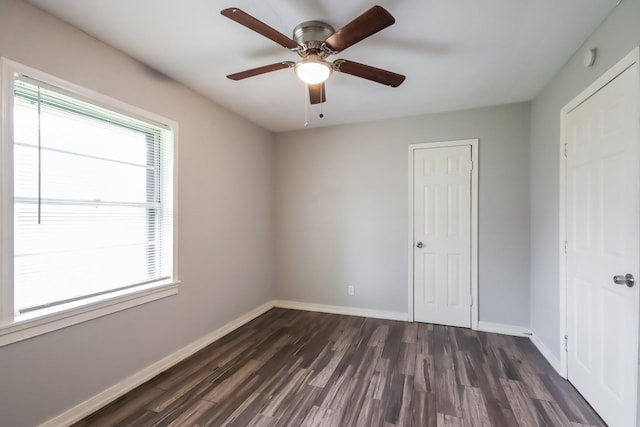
(50, 319)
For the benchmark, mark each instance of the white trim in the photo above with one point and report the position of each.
(562, 238)
(6, 195)
(544, 350)
(103, 398)
(629, 60)
(89, 95)
(504, 329)
(22, 330)
(520, 331)
(16, 328)
(176, 253)
(473, 143)
(338, 309)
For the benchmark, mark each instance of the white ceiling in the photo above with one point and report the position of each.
(456, 54)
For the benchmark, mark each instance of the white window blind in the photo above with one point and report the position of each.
(93, 199)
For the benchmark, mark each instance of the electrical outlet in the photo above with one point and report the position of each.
(351, 290)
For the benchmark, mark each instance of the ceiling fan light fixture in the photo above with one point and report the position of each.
(313, 70)
(314, 42)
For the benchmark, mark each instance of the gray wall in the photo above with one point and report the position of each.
(225, 201)
(340, 213)
(341, 210)
(616, 37)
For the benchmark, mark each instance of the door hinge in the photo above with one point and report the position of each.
(470, 165)
(566, 150)
(566, 343)
(472, 300)
(565, 247)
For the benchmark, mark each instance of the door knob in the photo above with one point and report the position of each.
(627, 279)
(419, 245)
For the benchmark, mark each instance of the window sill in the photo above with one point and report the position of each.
(51, 319)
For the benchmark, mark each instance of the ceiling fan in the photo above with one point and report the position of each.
(314, 42)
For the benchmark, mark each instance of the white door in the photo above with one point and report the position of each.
(602, 241)
(442, 235)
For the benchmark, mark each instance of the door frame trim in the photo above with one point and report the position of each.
(631, 59)
(473, 143)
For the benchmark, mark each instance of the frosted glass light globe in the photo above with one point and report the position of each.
(313, 70)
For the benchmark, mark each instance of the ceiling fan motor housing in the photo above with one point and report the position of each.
(311, 36)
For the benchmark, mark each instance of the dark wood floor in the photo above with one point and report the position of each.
(297, 368)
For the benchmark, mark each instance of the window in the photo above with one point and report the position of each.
(88, 205)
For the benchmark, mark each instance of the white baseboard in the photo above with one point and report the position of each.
(519, 331)
(338, 309)
(544, 350)
(101, 399)
(504, 329)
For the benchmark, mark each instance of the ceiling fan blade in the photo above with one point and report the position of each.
(261, 70)
(368, 72)
(370, 22)
(258, 26)
(317, 94)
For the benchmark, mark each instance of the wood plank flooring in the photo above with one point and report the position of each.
(297, 368)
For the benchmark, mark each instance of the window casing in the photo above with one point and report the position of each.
(88, 205)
